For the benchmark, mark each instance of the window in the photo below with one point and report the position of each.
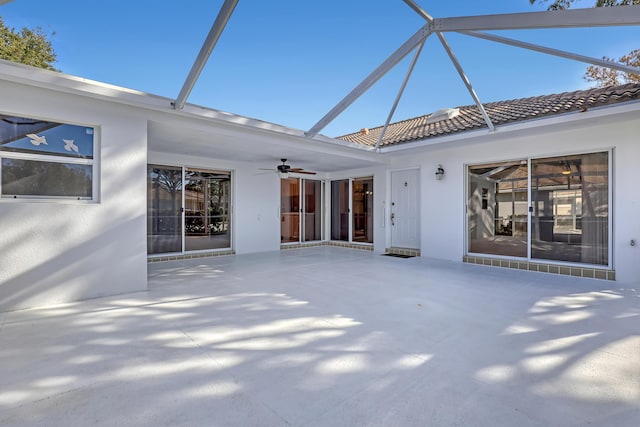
(554, 208)
(570, 219)
(497, 208)
(41, 159)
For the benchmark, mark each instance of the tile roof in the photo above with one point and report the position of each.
(501, 112)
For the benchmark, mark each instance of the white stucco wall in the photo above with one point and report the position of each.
(60, 251)
(444, 221)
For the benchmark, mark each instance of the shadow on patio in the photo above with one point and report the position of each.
(328, 336)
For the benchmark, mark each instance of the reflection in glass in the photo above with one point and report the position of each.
(312, 210)
(340, 210)
(38, 178)
(207, 199)
(363, 210)
(24, 135)
(289, 210)
(570, 219)
(497, 208)
(164, 202)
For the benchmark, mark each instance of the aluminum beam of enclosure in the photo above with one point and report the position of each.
(371, 79)
(572, 18)
(207, 47)
(400, 92)
(550, 51)
(420, 11)
(466, 81)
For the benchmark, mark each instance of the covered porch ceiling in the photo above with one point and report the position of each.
(264, 148)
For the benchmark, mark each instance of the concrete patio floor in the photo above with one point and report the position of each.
(329, 337)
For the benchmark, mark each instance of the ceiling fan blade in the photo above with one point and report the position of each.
(265, 169)
(304, 172)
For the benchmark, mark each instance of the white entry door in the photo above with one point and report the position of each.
(405, 209)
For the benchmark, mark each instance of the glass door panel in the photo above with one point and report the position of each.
(340, 210)
(312, 210)
(164, 203)
(289, 210)
(570, 199)
(362, 210)
(206, 206)
(498, 209)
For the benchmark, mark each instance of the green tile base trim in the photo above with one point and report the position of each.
(592, 273)
(403, 251)
(189, 256)
(362, 246)
(302, 245)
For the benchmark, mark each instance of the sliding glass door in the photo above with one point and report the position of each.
(206, 209)
(570, 218)
(164, 209)
(362, 224)
(340, 210)
(352, 210)
(498, 208)
(312, 210)
(289, 210)
(564, 202)
(188, 209)
(300, 210)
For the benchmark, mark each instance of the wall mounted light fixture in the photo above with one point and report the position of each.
(439, 172)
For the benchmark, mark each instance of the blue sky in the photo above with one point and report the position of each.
(291, 61)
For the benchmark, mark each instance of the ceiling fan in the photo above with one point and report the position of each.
(284, 169)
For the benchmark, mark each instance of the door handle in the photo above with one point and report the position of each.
(393, 218)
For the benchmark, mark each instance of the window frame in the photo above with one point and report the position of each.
(350, 209)
(530, 158)
(59, 158)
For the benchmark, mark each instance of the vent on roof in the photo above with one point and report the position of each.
(443, 114)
